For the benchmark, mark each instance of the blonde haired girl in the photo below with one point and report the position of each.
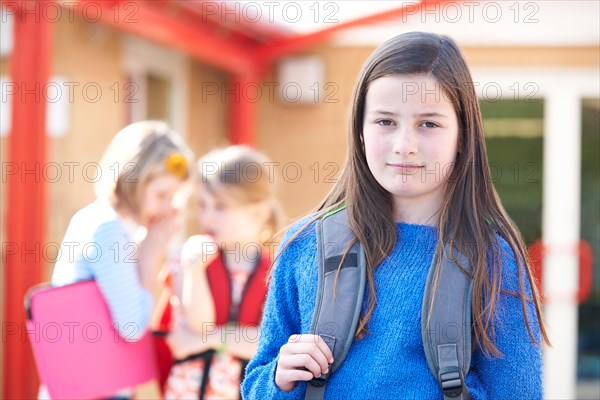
(143, 167)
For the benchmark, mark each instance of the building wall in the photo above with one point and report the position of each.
(526, 56)
(207, 122)
(89, 56)
(208, 115)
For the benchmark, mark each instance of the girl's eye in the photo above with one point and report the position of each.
(429, 124)
(385, 122)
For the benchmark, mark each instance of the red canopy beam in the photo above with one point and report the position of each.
(26, 201)
(231, 16)
(156, 22)
(272, 52)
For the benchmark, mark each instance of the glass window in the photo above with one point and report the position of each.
(514, 138)
(158, 102)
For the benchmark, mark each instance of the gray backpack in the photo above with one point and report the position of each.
(447, 338)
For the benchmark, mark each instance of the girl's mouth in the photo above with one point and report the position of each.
(406, 168)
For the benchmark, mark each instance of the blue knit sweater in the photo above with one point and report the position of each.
(389, 363)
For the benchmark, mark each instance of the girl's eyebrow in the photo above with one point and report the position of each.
(420, 115)
(431, 114)
(382, 112)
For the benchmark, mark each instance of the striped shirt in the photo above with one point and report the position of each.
(98, 245)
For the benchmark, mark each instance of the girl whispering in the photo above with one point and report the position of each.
(143, 168)
(416, 179)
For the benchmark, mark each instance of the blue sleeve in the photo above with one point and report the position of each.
(280, 320)
(115, 270)
(517, 372)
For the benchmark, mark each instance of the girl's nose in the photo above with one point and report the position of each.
(405, 142)
(167, 208)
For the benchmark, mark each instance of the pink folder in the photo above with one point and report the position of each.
(77, 350)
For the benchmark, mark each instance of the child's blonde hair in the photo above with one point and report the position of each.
(246, 170)
(138, 153)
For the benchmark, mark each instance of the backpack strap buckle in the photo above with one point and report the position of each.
(451, 381)
(318, 382)
(322, 380)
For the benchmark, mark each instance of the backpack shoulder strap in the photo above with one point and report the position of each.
(445, 328)
(335, 317)
(446, 325)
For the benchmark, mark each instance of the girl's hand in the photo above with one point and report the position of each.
(160, 231)
(153, 247)
(302, 358)
(158, 234)
(199, 250)
(196, 295)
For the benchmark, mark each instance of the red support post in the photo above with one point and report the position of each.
(245, 92)
(26, 201)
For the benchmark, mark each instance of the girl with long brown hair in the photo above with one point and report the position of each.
(416, 178)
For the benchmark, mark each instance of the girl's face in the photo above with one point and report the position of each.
(157, 200)
(228, 220)
(410, 135)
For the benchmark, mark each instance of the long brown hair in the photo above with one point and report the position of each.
(471, 214)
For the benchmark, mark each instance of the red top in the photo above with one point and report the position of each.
(253, 296)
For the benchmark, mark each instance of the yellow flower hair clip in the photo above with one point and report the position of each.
(176, 164)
